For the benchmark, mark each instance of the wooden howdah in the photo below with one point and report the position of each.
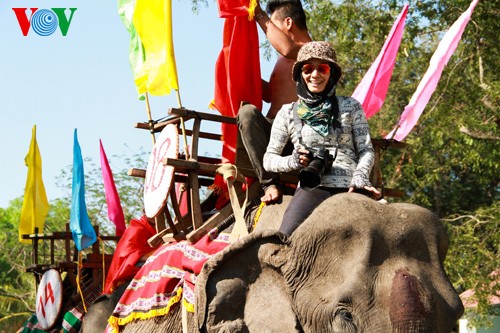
(199, 171)
(192, 172)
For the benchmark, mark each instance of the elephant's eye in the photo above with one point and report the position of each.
(344, 314)
(344, 321)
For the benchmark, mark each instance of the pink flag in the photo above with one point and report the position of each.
(426, 87)
(115, 211)
(372, 89)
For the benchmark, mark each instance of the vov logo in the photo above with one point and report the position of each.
(44, 21)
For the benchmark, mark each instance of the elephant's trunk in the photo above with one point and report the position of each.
(407, 312)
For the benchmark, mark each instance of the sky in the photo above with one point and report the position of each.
(83, 80)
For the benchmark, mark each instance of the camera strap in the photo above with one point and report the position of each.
(297, 122)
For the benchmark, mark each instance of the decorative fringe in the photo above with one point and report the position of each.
(188, 306)
(216, 188)
(251, 9)
(257, 215)
(115, 322)
(220, 188)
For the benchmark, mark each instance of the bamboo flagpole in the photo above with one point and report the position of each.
(183, 128)
(158, 74)
(151, 122)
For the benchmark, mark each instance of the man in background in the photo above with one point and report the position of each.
(285, 27)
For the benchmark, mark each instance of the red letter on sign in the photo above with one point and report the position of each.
(40, 305)
(49, 294)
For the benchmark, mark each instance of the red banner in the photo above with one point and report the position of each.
(237, 72)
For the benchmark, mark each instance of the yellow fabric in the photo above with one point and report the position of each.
(35, 205)
(115, 322)
(137, 57)
(251, 9)
(153, 22)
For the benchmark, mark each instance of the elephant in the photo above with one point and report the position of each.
(101, 308)
(354, 265)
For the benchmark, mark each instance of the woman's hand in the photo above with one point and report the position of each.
(376, 193)
(361, 181)
(304, 157)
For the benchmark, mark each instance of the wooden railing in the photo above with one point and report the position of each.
(67, 260)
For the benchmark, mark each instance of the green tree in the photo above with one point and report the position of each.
(17, 288)
(130, 189)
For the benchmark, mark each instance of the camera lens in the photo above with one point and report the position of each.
(321, 161)
(311, 175)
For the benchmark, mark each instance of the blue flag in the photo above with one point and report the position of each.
(81, 228)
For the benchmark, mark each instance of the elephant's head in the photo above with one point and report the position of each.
(354, 265)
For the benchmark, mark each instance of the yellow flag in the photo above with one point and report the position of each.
(35, 204)
(153, 22)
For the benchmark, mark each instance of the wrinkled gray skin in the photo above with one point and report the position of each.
(95, 320)
(354, 265)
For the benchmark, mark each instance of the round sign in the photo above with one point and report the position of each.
(49, 299)
(159, 177)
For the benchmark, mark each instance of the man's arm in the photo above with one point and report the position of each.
(266, 91)
(278, 39)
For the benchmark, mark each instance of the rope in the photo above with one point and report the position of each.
(151, 122)
(257, 215)
(230, 219)
(103, 264)
(79, 265)
(183, 130)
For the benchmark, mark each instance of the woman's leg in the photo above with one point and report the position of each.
(304, 201)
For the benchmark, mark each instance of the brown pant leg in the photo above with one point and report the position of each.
(255, 132)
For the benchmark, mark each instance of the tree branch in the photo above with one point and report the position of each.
(479, 135)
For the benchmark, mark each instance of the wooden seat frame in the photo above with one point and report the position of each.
(196, 166)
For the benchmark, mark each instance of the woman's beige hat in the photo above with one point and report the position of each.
(317, 50)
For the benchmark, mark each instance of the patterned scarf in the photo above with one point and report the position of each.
(315, 108)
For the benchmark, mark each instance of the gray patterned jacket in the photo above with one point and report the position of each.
(355, 155)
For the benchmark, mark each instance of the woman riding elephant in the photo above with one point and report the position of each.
(330, 135)
(351, 264)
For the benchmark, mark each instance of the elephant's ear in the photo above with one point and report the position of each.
(241, 289)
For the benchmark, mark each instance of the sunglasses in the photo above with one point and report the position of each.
(321, 68)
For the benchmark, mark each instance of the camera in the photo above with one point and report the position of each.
(320, 162)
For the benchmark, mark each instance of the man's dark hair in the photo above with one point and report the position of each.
(288, 8)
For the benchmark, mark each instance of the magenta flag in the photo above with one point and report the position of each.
(426, 87)
(372, 89)
(115, 211)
